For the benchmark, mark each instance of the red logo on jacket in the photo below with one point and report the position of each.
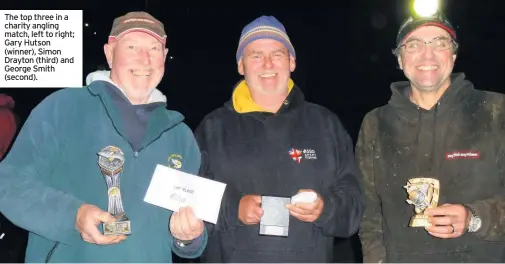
(295, 154)
(462, 155)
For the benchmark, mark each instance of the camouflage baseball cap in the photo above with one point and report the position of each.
(137, 21)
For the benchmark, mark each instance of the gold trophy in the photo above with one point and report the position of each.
(423, 193)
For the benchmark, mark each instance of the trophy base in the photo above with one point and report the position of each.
(117, 228)
(419, 221)
(275, 219)
(268, 230)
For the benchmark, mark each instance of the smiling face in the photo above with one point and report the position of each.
(137, 62)
(266, 66)
(428, 70)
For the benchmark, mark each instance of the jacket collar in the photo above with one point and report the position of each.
(161, 119)
(294, 100)
(156, 95)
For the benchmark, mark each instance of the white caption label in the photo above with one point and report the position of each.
(41, 48)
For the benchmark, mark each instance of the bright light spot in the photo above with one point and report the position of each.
(426, 7)
(171, 57)
(94, 33)
(86, 24)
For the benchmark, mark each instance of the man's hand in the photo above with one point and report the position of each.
(184, 225)
(307, 212)
(249, 209)
(448, 220)
(87, 220)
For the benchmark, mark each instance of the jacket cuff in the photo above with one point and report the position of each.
(482, 210)
(193, 250)
(327, 210)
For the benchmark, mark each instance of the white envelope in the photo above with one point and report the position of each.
(172, 189)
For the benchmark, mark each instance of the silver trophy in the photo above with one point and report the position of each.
(111, 161)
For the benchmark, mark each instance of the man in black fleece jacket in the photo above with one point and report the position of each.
(268, 141)
(435, 126)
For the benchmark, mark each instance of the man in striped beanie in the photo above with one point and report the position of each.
(266, 38)
(270, 146)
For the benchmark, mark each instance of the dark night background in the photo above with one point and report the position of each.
(344, 59)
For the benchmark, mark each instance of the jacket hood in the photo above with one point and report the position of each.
(459, 89)
(294, 99)
(243, 102)
(156, 95)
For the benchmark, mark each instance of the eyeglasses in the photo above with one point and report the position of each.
(438, 44)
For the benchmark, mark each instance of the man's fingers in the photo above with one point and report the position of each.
(120, 239)
(89, 217)
(249, 221)
(304, 218)
(258, 211)
(446, 229)
(116, 239)
(307, 206)
(194, 222)
(298, 210)
(106, 240)
(445, 209)
(171, 223)
(174, 224)
(184, 221)
(441, 220)
(435, 211)
(87, 238)
(93, 233)
(254, 218)
(98, 238)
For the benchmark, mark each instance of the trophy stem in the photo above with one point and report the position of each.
(111, 163)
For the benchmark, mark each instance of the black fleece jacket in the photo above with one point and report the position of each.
(460, 142)
(250, 152)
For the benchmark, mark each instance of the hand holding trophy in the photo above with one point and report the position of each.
(423, 193)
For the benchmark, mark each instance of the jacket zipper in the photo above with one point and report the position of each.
(50, 254)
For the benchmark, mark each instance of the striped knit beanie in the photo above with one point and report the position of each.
(264, 27)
